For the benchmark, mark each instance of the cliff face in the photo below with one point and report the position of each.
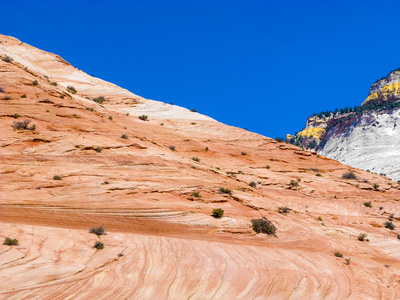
(367, 136)
(153, 184)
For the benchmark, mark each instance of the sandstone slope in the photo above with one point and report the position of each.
(154, 192)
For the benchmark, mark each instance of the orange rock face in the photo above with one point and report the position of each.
(154, 184)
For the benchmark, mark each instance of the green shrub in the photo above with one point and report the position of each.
(15, 116)
(338, 254)
(110, 117)
(318, 174)
(368, 204)
(62, 96)
(284, 210)
(172, 148)
(98, 245)
(98, 149)
(243, 153)
(35, 82)
(195, 194)
(124, 136)
(143, 117)
(23, 96)
(7, 59)
(347, 261)
(294, 183)
(97, 230)
(89, 108)
(375, 186)
(349, 175)
(23, 125)
(99, 99)
(7, 98)
(225, 191)
(217, 213)
(253, 184)
(206, 149)
(10, 242)
(389, 225)
(263, 226)
(54, 83)
(362, 237)
(57, 177)
(320, 218)
(71, 89)
(196, 159)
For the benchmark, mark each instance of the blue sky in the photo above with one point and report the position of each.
(261, 65)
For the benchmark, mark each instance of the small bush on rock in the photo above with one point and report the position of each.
(97, 230)
(263, 226)
(10, 242)
(99, 100)
(368, 204)
(23, 125)
(284, 210)
(57, 177)
(143, 117)
(217, 213)
(7, 59)
(71, 89)
(389, 225)
(225, 191)
(99, 245)
(253, 184)
(349, 175)
(338, 254)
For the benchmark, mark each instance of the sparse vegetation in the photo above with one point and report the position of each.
(225, 191)
(217, 213)
(375, 186)
(349, 175)
(389, 225)
(196, 159)
(98, 149)
(172, 148)
(267, 167)
(106, 182)
(206, 149)
(7, 59)
(124, 136)
(110, 117)
(347, 261)
(15, 116)
(253, 184)
(338, 254)
(89, 108)
(71, 89)
(35, 82)
(284, 210)
(320, 218)
(97, 230)
(23, 96)
(57, 177)
(368, 204)
(10, 242)
(98, 245)
(263, 226)
(243, 153)
(195, 194)
(7, 98)
(99, 100)
(23, 125)
(318, 174)
(391, 216)
(143, 117)
(194, 110)
(294, 183)
(362, 237)
(54, 83)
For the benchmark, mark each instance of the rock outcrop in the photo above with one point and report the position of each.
(86, 159)
(366, 137)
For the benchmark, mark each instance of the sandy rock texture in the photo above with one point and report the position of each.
(153, 185)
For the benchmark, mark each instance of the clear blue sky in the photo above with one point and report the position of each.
(261, 65)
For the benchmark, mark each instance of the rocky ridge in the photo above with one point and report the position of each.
(153, 184)
(366, 137)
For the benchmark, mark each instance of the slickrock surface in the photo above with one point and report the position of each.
(161, 241)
